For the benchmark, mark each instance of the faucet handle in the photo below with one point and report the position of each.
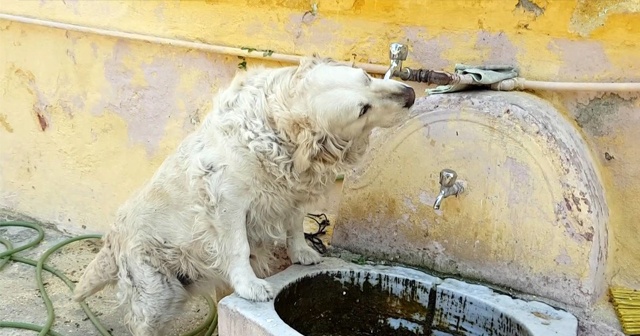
(398, 52)
(448, 178)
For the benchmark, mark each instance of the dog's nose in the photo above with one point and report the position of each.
(409, 96)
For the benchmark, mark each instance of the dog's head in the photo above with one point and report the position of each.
(340, 105)
(346, 101)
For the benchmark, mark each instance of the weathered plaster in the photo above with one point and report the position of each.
(112, 114)
(595, 117)
(533, 217)
(590, 15)
(428, 50)
(145, 106)
(530, 7)
(581, 59)
(612, 126)
(498, 48)
(93, 99)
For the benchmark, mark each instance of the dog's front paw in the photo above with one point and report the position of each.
(305, 255)
(254, 290)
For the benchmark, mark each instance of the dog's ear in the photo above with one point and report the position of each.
(315, 147)
(302, 133)
(308, 63)
(305, 152)
(331, 149)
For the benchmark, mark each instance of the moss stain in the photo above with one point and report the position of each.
(593, 117)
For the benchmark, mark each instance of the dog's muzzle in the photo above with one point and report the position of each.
(409, 96)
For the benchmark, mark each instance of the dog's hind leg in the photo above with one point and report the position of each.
(216, 288)
(100, 272)
(152, 299)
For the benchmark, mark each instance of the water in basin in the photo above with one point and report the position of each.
(343, 304)
(335, 303)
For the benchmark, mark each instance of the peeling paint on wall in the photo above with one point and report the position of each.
(581, 59)
(590, 15)
(498, 46)
(530, 6)
(145, 95)
(41, 106)
(145, 105)
(595, 117)
(428, 50)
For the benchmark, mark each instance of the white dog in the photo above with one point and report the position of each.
(208, 219)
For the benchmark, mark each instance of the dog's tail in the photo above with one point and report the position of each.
(100, 272)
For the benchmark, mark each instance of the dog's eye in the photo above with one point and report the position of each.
(364, 109)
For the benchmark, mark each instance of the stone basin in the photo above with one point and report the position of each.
(339, 298)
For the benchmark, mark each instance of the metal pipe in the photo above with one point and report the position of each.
(398, 53)
(218, 49)
(520, 83)
(424, 76)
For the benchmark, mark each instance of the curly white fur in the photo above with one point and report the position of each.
(208, 219)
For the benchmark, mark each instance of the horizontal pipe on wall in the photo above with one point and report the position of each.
(506, 85)
(520, 83)
(285, 58)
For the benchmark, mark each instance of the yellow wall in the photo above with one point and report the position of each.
(84, 119)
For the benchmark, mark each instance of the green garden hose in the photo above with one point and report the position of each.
(206, 328)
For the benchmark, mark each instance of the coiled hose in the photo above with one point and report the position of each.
(206, 328)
